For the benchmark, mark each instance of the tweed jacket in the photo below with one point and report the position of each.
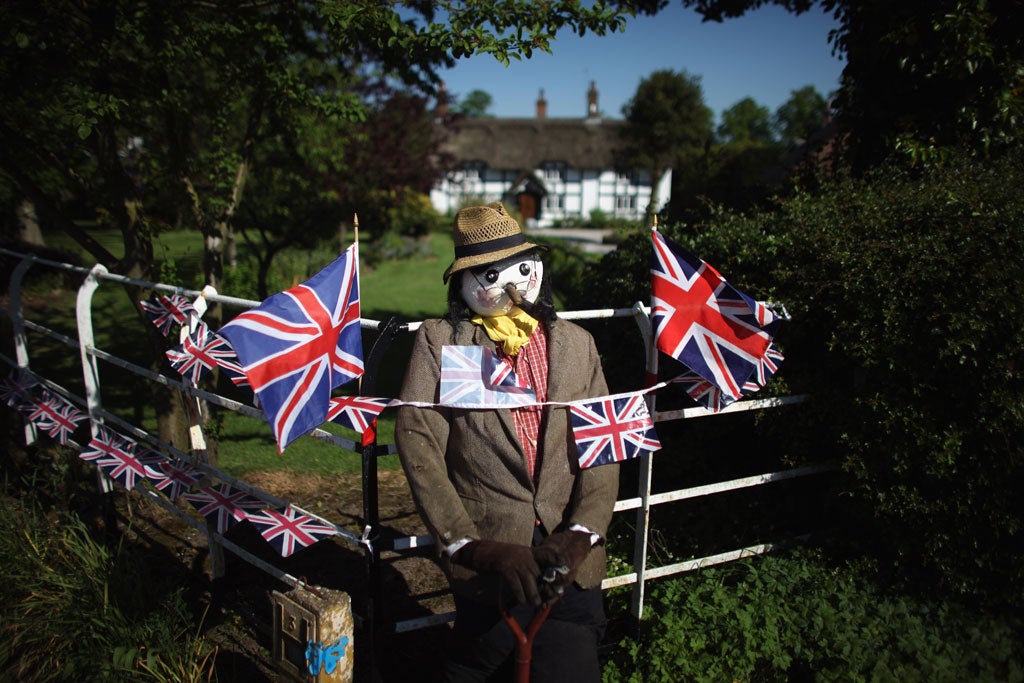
(468, 472)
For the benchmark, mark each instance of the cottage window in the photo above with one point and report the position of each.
(553, 171)
(554, 203)
(625, 202)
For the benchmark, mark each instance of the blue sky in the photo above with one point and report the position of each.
(765, 55)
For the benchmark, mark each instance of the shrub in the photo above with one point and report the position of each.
(906, 331)
(910, 344)
(796, 617)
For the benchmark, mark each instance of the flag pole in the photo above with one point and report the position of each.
(371, 502)
(646, 471)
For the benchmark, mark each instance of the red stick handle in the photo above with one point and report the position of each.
(524, 641)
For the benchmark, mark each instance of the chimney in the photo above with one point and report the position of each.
(441, 108)
(542, 106)
(592, 112)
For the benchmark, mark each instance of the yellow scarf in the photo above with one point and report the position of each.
(511, 330)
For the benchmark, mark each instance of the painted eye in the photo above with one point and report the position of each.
(524, 268)
(491, 276)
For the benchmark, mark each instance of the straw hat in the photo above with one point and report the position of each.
(485, 234)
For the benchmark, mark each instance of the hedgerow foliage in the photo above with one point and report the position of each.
(907, 330)
(793, 617)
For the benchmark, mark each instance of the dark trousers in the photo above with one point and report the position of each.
(565, 649)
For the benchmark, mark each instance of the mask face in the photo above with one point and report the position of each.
(483, 288)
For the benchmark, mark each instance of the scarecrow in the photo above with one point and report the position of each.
(519, 526)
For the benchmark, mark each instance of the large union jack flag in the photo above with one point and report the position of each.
(165, 311)
(290, 530)
(475, 377)
(612, 429)
(200, 352)
(715, 330)
(223, 506)
(300, 344)
(56, 416)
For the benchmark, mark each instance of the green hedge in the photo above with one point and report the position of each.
(907, 329)
(799, 617)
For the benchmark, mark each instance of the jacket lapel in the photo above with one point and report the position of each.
(557, 372)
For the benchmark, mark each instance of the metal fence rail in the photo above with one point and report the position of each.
(367, 539)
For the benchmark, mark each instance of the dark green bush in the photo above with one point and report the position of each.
(904, 291)
(907, 329)
(796, 617)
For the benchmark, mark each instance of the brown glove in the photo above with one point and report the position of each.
(559, 557)
(514, 563)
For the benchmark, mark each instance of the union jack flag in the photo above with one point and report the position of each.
(233, 370)
(356, 412)
(223, 506)
(475, 377)
(612, 429)
(115, 455)
(14, 389)
(712, 328)
(700, 390)
(151, 461)
(167, 310)
(173, 478)
(56, 416)
(200, 352)
(289, 530)
(106, 442)
(300, 344)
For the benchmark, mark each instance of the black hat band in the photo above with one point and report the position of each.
(489, 246)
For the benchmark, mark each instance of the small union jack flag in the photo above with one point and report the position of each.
(712, 328)
(700, 390)
(115, 455)
(151, 461)
(475, 377)
(106, 442)
(233, 370)
(15, 389)
(612, 429)
(167, 310)
(290, 530)
(200, 352)
(356, 412)
(173, 478)
(223, 506)
(300, 344)
(56, 416)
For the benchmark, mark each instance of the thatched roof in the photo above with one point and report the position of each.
(526, 144)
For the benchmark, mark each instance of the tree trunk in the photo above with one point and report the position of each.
(652, 205)
(28, 224)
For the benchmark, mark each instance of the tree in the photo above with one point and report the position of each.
(475, 104)
(921, 79)
(144, 115)
(746, 122)
(667, 123)
(804, 113)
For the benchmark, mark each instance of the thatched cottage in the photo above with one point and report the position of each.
(550, 169)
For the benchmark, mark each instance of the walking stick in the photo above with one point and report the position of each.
(524, 641)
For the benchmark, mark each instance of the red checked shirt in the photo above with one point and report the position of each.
(531, 367)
